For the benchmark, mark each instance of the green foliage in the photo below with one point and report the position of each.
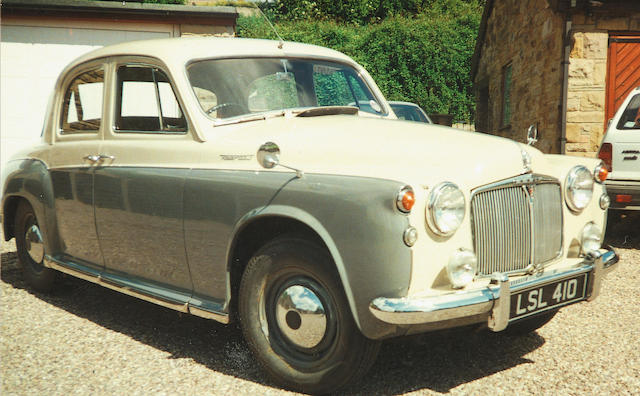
(425, 58)
(350, 11)
(157, 1)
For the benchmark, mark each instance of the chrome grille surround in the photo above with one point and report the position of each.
(517, 224)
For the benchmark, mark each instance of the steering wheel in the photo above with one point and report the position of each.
(243, 109)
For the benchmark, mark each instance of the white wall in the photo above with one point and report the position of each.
(32, 55)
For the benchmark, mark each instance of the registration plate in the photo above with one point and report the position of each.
(552, 295)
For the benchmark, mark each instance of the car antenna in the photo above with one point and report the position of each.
(281, 42)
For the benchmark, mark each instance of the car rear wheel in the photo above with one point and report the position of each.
(296, 319)
(30, 246)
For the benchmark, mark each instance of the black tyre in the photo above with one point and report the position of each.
(296, 319)
(529, 325)
(30, 246)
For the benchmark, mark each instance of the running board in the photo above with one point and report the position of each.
(88, 274)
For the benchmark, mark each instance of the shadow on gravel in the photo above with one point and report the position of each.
(623, 230)
(438, 361)
(443, 360)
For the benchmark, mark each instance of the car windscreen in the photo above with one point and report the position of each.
(631, 116)
(234, 87)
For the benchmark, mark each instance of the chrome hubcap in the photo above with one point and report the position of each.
(301, 317)
(34, 243)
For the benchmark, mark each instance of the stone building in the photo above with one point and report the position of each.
(563, 65)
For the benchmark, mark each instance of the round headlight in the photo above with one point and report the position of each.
(591, 238)
(578, 188)
(445, 210)
(461, 268)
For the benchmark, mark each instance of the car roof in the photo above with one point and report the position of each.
(184, 49)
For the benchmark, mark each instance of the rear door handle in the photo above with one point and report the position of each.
(98, 157)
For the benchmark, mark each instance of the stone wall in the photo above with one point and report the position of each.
(527, 34)
(588, 78)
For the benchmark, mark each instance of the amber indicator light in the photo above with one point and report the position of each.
(602, 174)
(408, 200)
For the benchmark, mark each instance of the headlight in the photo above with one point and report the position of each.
(445, 210)
(578, 188)
(591, 238)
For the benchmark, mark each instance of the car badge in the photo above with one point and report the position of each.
(526, 161)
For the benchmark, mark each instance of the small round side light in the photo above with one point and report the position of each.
(410, 236)
(406, 199)
(605, 201)
(600, 173)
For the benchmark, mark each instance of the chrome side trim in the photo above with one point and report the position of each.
(203, 313)
(96, 277)
(493, 301)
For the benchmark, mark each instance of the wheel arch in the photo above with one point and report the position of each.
(253, 231)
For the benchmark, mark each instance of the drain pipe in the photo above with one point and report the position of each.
(565, 80)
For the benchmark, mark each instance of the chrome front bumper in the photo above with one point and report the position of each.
(494, 300)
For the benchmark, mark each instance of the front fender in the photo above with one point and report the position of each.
(357, 220)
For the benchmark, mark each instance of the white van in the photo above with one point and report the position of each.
(620, 151)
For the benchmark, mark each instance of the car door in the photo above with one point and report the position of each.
(72, 161)
(139, 188)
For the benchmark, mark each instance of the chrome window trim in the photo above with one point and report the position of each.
(143, 61)
(520, 181)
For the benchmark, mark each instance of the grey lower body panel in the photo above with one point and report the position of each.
(491, 304)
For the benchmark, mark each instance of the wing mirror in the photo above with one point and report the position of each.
(269, 157)
(532, 135)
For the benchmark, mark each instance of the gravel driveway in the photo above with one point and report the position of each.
(85, 339)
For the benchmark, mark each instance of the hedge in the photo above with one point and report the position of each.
(425, 59)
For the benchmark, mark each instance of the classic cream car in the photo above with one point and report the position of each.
(230, 179)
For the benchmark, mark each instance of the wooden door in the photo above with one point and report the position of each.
(623, 72)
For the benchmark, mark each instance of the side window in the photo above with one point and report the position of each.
(146, 102)
(631, 116)
(82, 104)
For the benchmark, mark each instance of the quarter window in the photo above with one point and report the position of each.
(82, 105)
(147, 102)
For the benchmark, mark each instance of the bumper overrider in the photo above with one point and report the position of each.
(494, 300)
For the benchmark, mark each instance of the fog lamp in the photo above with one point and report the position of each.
(461, 268)
(590, 238)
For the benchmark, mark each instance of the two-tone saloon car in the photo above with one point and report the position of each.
(231, 179)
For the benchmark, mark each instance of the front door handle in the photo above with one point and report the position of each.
(98, 157)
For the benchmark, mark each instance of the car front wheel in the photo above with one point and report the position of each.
(296, 319)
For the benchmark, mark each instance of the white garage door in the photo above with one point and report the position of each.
(31, 59)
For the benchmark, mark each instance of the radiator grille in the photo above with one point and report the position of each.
(517, 224)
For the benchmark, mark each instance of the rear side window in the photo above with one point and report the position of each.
(147, 102)
(82, 105)
(631, 117)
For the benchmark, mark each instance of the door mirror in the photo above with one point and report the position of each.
(532, 135)
(268, 155)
